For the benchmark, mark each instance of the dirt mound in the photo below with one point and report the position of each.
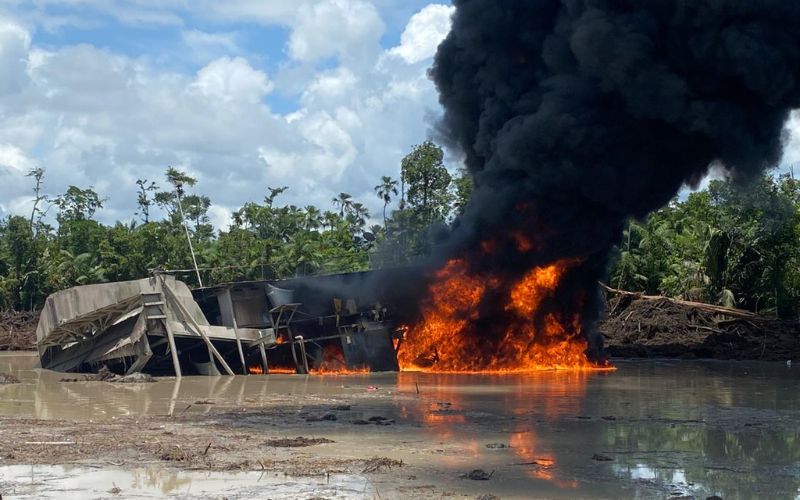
(648, 326)
(18, 330)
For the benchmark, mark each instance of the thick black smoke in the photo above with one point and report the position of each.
(575, 115)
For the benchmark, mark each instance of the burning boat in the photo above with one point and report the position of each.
(158, 325)
(347, 323)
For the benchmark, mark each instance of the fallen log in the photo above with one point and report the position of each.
(728, 311)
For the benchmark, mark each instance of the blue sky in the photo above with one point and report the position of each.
(323, 96)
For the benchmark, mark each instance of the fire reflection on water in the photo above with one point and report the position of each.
(553, 395)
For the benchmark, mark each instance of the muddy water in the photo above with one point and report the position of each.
(651, 429)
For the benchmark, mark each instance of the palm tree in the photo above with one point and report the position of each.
(313, 218)
(358, 215)
(344, 201)
(385, 190)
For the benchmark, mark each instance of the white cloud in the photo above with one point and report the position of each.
(232, 80)
(13, 158)
(14, 44)
(424, 32)
(349, 29)
(203, 46)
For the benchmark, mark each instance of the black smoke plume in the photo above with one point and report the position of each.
(575, 115)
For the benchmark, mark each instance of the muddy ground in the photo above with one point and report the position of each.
(726, 428)
(660, 327)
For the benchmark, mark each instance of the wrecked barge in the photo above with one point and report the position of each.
(158, 325)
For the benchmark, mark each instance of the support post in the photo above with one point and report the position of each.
(229, 300)
(304, 358)
(264, 363)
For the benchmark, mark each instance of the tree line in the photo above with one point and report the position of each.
(729, 245)
(62, 244)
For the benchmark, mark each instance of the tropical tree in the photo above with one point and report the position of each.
(342, 202)
(385, 190)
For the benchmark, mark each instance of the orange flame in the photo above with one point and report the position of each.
(333, 363)
(445, 339)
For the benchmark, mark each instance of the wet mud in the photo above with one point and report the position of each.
(651, 429)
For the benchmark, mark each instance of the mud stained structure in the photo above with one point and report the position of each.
(156, 325)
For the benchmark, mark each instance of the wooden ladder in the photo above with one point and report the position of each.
(153, 309)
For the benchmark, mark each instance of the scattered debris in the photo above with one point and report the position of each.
(376, 464)
(497, 446)
(175, 454)
(601, 458)
(18, 330)
(106, 375)
(298, 442)
(115, 490)
(8, 378)
(650, 326)
(478, 475)
(204, 402)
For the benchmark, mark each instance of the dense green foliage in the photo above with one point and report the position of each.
(267, 240)
(732, 246)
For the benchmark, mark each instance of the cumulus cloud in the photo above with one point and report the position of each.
(96, 117)
(231, 80)
(424, 32)
(348, 29)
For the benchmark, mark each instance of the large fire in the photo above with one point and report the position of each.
(448, 337)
